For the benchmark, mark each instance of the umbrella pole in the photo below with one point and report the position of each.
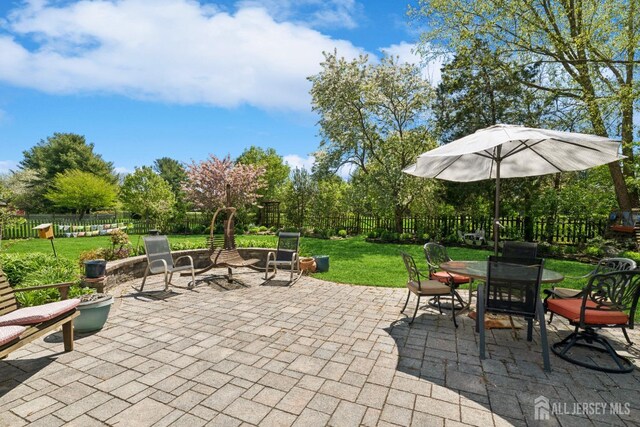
(496, 214)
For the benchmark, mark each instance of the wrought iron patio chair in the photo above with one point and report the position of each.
(609, 300)
(160, 260)
(513, 288)
(421, 286)
(605, 265)
(435, 255)
(286, 255)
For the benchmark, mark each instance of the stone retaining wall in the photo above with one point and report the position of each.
(124, 270)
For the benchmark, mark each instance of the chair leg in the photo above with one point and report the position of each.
(144, 279)
(166, 280)
(543, 336)
(406, 302)
(588, 339)
(550, 318)
(529, 330)
(626, 336)
(439, 305)
(453, 307)
(193, 278)
(416, 310)
(480, 320)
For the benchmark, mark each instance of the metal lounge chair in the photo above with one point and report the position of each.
(513, 288)
(160, 260)
(286, 255)
(608, 301)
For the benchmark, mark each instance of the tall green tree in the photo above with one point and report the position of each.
(298, 194)
(25, 193)
(478, 89)
(175, 174)
(81, 191)
(588, 51)
(276, 172)
(146, 193)
(57, 154)
(374, 117)
(8, 214)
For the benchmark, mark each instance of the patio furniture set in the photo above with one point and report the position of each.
(510, 285)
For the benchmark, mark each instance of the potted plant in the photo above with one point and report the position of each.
(307, 264)
(94, 309)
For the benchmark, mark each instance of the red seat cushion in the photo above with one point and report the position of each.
(570, 309)
(10, 333)
(444, 277)
(39, 313)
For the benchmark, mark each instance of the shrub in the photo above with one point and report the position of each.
(342, 233)
(372, 235)
(262, 229)
(188, 244)
(98, 253)
(406, 236)
(593, 251)
(253, 230)
(632, 255)
(389, 236)
(17, 266)
(250, 243)
(24, 270)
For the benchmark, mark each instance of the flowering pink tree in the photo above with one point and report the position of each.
(207, 183)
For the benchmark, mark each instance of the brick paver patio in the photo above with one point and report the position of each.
(316, 353)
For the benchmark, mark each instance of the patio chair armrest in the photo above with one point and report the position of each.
(189, 257)
(63, 287)
(271, 256)
(585, 276)
(163, 262)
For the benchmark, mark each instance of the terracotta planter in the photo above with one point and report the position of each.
(308, 265)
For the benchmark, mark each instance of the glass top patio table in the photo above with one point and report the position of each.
(478, 270)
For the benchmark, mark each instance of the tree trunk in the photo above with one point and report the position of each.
(398, 216)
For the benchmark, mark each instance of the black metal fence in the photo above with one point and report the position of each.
(567, 230)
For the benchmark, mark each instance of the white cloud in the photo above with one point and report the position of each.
(406, 53)
(122, 170)
(295, 161)
(7, 166)
(176, 51)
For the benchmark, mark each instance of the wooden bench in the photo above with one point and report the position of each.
(8, 304)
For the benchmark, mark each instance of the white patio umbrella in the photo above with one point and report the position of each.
(509, 151)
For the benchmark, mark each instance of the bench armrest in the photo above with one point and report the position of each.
(63, 287)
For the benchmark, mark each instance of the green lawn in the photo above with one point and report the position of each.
(352, 260)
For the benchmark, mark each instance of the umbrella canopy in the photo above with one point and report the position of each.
(508, 151)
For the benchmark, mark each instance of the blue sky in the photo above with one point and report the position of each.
(144, 79)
